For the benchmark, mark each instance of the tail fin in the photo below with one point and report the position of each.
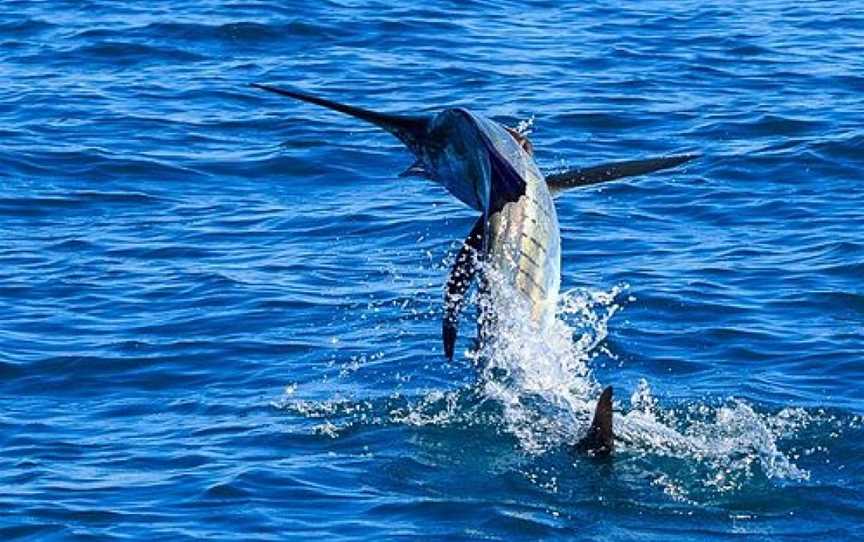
(599, 441)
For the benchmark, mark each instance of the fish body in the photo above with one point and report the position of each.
(515, 244)
(491, 168)
(521, 238)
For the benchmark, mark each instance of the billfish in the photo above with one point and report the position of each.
(491, 168)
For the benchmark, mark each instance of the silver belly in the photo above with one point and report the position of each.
(525, 250)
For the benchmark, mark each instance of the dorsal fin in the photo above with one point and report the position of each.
(461, 274)
(599, 441)
(575, 178)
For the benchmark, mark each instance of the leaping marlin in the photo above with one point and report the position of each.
(491, 168)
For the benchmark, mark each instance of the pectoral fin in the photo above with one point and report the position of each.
(609, 172)
(461, 275)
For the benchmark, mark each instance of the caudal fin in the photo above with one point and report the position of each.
(599, 441)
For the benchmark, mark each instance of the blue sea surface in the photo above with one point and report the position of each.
(220, 309)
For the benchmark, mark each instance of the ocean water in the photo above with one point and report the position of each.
(221, 309)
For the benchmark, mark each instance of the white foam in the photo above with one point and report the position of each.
(541, 382)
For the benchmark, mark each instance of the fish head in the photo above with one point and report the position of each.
(454, 154)
(462, 151)
(480, 161)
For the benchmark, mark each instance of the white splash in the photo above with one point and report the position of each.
(543, 381)
(540, 375)
(542, 385)
(525, 127)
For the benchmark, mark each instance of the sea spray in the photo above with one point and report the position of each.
(535, 383)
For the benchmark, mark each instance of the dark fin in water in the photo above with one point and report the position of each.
(461, 275)
(609, 172)
(409, 129)
(599, 441)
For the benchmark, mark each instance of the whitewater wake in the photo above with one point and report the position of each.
(537, 385)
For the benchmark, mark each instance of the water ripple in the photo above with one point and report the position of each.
(221, 309)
